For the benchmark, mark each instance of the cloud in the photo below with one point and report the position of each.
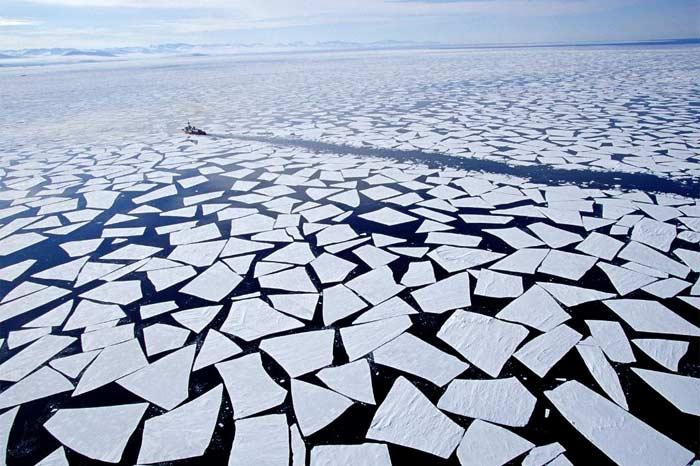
(119, 22)
(259, 9)
(16, 22)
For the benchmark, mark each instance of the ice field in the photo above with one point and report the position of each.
(460, 257)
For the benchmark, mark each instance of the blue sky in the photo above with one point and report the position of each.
(106, 23)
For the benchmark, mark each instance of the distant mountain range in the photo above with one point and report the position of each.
(190, 49)
(71, 55)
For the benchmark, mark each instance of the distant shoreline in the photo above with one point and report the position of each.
(77, 55)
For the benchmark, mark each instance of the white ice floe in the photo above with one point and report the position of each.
(456, 259)
(390, 308)
(339, 302)
(253, 318)
(366, 454)
(521, 261)
(297, 253)
(544, 351)
(320, 213)
(132, 252)
(418, 274)
(67, 271)
(554, 237)
(331, 269)
(30, 302)
(159, 193)
(40, 384)
(198, 318)
(297, 445)
(214, 284)
(81, 247)
(415, 252)
(23, 289)
(651, 316)
(353, 380)
(160, 338)
(406, 417)
(453, 239)
(502, 401)
(611, 338)
(335, 234)
(485, 444)
(106, 335)
(266, 268)
(691, 258)
(251, 224)
(566, 264)
(111, 364)
(123, 232)
(656, 234)
(388, 216)
(486, 219)
(19, 241)
(681, 391)
(7, 420)
(301, 305)
(10, 273)
(572, 296)
(515, 237)
(667, 288)
(612, 430)
(602, 371)
(88, 313)
(625, 280)
(165, 382)
(498, 285)
(151, 310)
(410, 354)
(316, 407)
(277, 236)
(534, 308)
(444, 295)
(71, 366)
(644, 255)
(373, 256)
(380, 240)
(201, 254)
(294, 279)
(57, 458)
(216, 347)
(539, 456)
(250, 389)
(668, 353)
(362, 339)
(125, 292)
(240, 264)
(165, 278)
(600, 246)
(184, 432)
(376, 285)
(263, 441)
(484, 341)
(99, 433)
(96, 270)
(301, 353)
(238, 246)
(18, 338)
(28, 359)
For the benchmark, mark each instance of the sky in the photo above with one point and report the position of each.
(116, 23)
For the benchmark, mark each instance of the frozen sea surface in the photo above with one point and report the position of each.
(475, 257)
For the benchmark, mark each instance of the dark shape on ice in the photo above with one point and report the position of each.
(189, 129)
